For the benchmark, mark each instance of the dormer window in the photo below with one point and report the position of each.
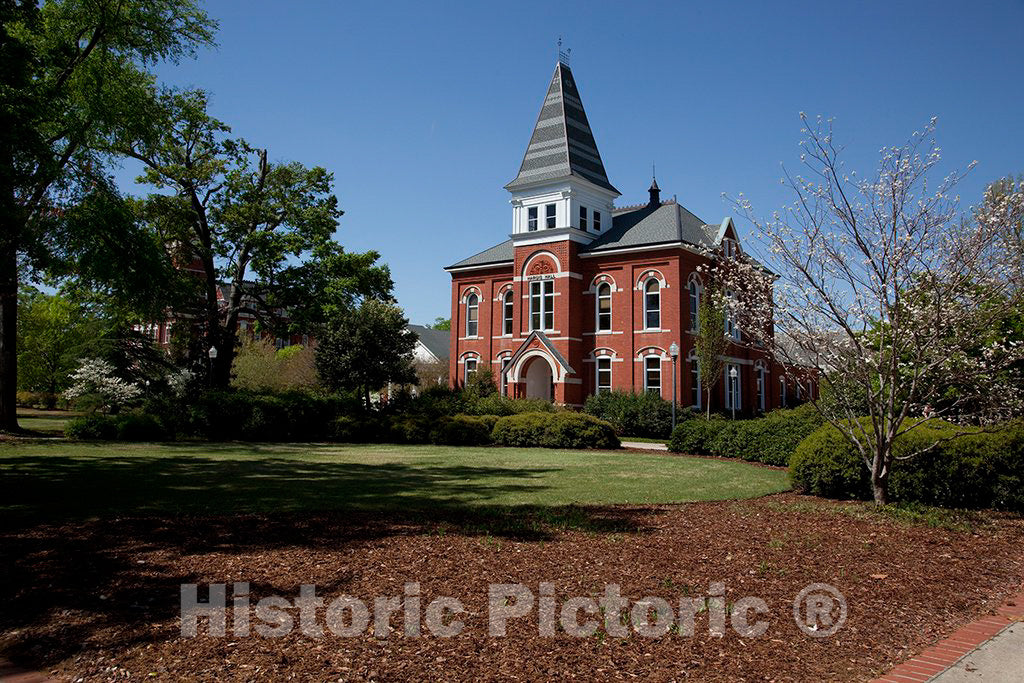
(597, 221)
(549, 215)
(731, 247)
(583, 218)
(531, 218)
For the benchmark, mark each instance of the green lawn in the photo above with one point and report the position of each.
(46, 422)
(62, 479)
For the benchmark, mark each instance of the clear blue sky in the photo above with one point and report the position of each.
(423, 110)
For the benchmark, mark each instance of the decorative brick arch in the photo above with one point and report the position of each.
(603, 352)
(600, 279)
(652, 351)
(472, 289)
(542, 262)
(648, 274)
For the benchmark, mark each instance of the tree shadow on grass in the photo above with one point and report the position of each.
(72, 530)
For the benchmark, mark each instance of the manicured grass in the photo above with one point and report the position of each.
(77, 479)
(47, 422)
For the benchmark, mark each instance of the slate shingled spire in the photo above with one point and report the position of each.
(562, 144)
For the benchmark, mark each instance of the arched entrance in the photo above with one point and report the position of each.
(538, 379)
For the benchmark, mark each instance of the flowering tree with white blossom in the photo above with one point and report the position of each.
(885, 283)
(96, 377)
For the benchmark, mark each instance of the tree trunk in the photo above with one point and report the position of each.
(880, 479)
(8, 336)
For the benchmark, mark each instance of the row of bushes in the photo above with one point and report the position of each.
(39, 399)
(771, 439)
(441, 401)
(644, 414)
(543, 429)
(978, 470)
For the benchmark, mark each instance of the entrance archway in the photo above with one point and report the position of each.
(538, 380)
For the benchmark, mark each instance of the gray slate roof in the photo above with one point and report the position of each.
(436, 341)
(631, 227)
(642, 226)
(562, 143)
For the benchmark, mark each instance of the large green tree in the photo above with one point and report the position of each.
(365, 348)
(251, 235)
(54, 333)
(73, 79)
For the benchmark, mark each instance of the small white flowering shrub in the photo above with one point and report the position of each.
(95, 377)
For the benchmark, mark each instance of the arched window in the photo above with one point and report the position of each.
(782, 392)
(507, 313)
(652, 304)
(472, 315)
(604, 307)
(469, 367)
(694, 304)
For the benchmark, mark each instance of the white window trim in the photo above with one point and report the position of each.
(508, 323)
(597, 309)
(646, 310)
(598, 370)
(660, 374)
(543, 311)
(469, 304)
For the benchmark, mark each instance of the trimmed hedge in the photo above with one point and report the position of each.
(635, 414)
(694, 436)
(555, 430)
(771, 439)
(125, 427)
(978, 470)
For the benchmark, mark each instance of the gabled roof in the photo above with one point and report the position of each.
(435, 341)
(548, 346)
(562, 144)
(647, 225)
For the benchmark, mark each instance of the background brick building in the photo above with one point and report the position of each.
(586, 297)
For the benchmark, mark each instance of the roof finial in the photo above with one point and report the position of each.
(563, 55)
(654, 190)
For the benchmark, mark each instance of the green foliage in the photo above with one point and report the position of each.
(366, 348)
(694, 437)
(977, 470)
(481, 383)
(495, 404)
(133, 426)
(38, 399)
(95, 427)
(463, 430)
(441, 323)
(54, 333)
(711, 343)
(771, 439)
(259, 366)
(555, 430)
(438, 401)
(634, 414)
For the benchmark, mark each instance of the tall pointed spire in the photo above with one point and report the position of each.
(562, 144)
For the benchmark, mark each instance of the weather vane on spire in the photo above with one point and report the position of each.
(563, 55)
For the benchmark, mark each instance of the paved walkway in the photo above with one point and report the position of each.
(989, 649)
(645, 446)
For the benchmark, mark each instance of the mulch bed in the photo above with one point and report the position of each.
(99, 600)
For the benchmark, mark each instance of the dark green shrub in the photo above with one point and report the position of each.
(36, 399)
(826, 464)
(694, 436)
(976, 470)
(462, 430)
(555, 430)
(242, 415)
(635, 414)
(413, 429)
(360, 428)
(771, 439)
(139, 427)
(94, 427)
(499, 405)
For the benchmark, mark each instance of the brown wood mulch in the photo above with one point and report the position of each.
(99, 600)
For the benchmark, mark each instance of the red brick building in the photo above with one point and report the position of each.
(586, 297)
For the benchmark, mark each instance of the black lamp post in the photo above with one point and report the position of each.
(732, 379)
(673, 351)
(212, 353)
